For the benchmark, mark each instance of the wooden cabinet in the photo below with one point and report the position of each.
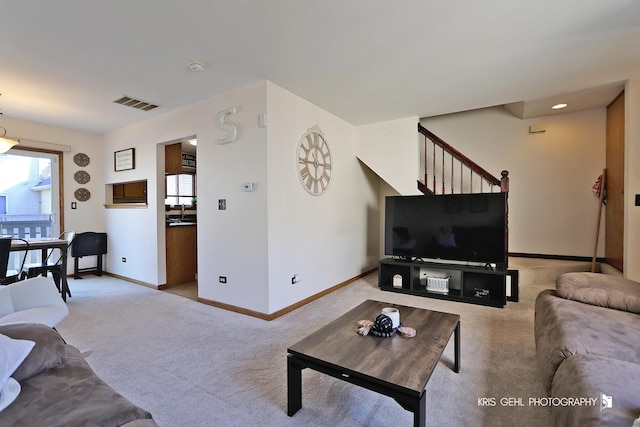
(182, 254)
(176, 162)
(130, 192)
(173, 158)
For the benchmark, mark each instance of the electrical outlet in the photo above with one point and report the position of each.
(124, 259)
(222, 279)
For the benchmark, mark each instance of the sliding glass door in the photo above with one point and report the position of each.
(29, 194)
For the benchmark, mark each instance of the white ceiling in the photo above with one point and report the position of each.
(63, 62)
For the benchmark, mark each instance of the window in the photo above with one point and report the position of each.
(181, 189)
(3, 205)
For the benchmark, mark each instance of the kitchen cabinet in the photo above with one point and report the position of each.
(130, 192)
(182, 253)
(175, 162)
(173, 158)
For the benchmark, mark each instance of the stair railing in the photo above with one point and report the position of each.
(437, 154)
(463, 174)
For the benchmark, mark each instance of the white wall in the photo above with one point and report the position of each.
(231, 243)
(391, 150)
(264, 236)
(552, 209)
(325, 239)
(89, 215)
(384, 191)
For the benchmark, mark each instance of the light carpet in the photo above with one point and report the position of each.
(191, 364)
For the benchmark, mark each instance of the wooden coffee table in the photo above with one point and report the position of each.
(398, 367)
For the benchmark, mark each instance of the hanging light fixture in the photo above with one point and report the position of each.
(5, 143)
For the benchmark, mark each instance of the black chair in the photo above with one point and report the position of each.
(47, 266)
(10, 276)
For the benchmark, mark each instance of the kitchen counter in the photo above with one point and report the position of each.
(180, 224)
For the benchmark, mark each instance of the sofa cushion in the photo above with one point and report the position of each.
(600, 289)
(590, 376)
(47, 353)
(564, 328)
(70, 395)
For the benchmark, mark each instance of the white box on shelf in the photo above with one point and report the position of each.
(438, 284)
(397, 281)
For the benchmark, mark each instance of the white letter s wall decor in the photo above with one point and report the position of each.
(232, 131)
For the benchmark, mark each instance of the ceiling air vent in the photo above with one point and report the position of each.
(135, 103)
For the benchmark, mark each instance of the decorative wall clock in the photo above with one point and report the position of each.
(313, 161)
(82, 177)
(82, 194)
(81, 159)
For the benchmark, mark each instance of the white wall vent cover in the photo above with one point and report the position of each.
(135, 103)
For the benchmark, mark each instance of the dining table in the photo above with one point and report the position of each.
(45, 244)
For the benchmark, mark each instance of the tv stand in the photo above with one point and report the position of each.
(463, 283)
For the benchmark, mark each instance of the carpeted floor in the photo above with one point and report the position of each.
(191, 364)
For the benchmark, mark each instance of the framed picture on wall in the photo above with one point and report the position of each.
(124, 159)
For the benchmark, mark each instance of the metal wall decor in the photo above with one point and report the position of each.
(82, 194)
(81, 159)
(82, 177)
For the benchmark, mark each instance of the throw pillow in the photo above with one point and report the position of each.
(12, 353)
(6, 304)
(48, 350)
(600, 289)
(8, 392)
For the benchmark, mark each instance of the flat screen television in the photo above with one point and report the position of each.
(457, 227)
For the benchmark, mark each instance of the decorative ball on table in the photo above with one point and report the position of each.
(383, 326)
(383, 323)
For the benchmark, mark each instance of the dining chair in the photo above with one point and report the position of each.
(8, 276)
(48, 266)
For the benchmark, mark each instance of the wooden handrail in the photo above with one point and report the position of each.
(461, 157)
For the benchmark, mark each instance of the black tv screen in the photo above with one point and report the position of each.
(461, 227)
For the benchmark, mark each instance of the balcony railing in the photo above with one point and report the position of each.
(25, 227)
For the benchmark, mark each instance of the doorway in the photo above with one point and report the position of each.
(180, 212)
(614, 220)
(30, 196)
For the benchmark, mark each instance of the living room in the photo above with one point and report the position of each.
(265, 237)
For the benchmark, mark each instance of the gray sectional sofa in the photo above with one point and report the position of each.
(58, 388)
(587, 334)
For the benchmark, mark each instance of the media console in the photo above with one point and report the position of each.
(463, 283)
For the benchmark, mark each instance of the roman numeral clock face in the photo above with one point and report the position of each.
(314, 162)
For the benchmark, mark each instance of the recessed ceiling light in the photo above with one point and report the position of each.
(196, 66)
(559, 106)
(193, 141)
